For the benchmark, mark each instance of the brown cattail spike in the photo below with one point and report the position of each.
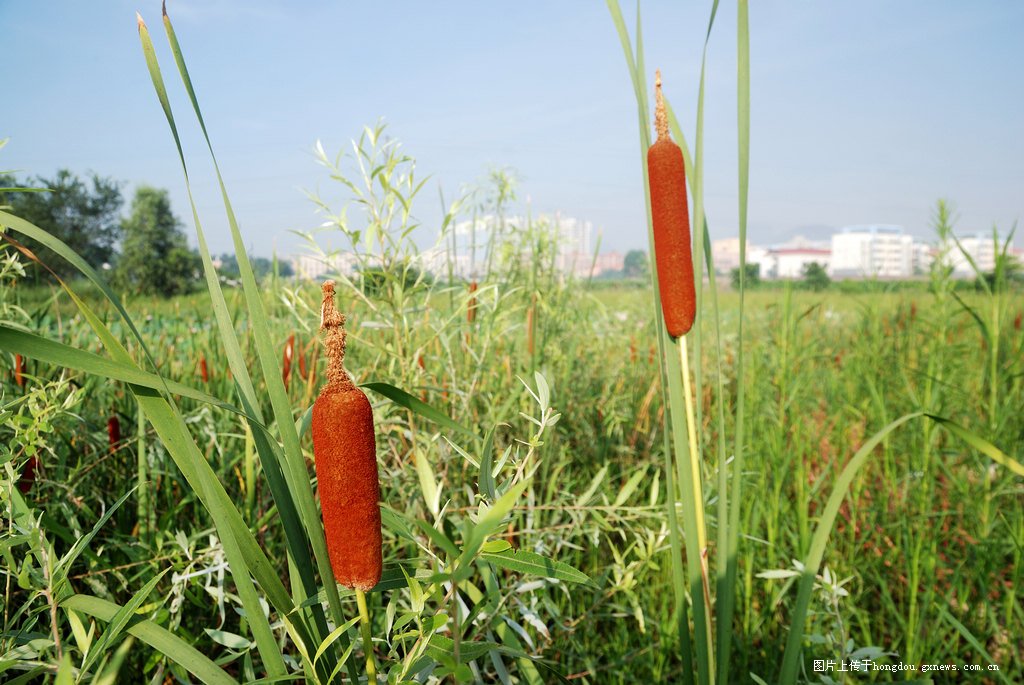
(670, 215)
(345, 453)
(660, 117)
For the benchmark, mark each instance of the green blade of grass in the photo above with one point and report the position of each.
(294, 465)
(119, 621)
(404, 399)
(730, 549)
(43, 349)
(172, 429)
(173, 647)
(288, 483)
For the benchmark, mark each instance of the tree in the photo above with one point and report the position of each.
(261, 267)
(752, 279)
(635, 264)
(815, 277)
(84, 215)
(155, 258)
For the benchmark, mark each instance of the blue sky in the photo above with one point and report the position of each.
(862, 112)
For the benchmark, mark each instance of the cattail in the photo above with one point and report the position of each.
(286, 362)
(471, 305)
(204, 371)
(113, 432)
(1016, 321)
(19, 370)
(345, 452)
(28, 475)
(671, 218)
(303, 371)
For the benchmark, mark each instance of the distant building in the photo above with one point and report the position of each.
(609, 262)
(982, 250)
(312, 267)
(790, 262)
(875, 251)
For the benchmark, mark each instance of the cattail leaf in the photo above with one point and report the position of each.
(981, 444)
(161, 639)
(120, 620)
(404, 399)
(971, 640)
(335, 634)
(295, 495)
(533, 564)
(812, 562)
(52, 352)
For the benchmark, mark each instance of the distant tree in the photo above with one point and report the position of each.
(83, 214)
(752, 280)
(635, 264)
(261, 266)
(155, 257)
(815, 277)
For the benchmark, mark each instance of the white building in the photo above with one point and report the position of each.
(980, 247)
(790, 262)
(312, 266)
(872, 252)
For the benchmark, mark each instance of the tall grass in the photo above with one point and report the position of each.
(541, 511)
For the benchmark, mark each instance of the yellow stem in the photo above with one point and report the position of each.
(364, 626)
(698, 491)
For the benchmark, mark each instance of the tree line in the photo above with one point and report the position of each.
(145, 252)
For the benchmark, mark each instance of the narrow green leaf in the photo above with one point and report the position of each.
(120, 621)
(404, 399)
(530, 563)
(171, 646)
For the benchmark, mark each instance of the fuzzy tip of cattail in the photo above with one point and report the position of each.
(345, 456)
(332, 323)
(660, 116)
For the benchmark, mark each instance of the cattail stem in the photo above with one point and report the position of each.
(698, 494)
(364, 629)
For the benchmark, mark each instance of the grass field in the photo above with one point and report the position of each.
(567, 492)
(923, 561)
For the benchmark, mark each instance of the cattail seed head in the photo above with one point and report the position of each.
(19, 370)
(113, 432)
(303, 371)
(204, 370)
(345, 453)
(286, 361)
(666, 173)
(471, 305)
(28, 475)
